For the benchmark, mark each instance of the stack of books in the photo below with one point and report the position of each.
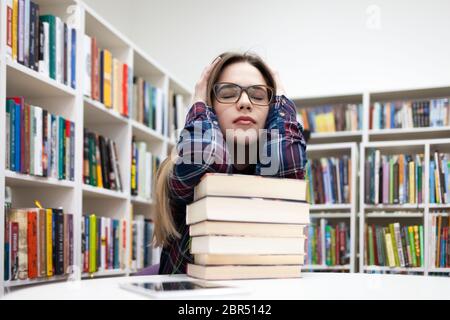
(247, 227)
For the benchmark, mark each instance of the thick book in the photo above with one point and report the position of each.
(217, 184)
(59, 242)
(243, 272)
(251, 259)
(246, 229)
(88, 89)
(32, 244)
(51, 20)
(95, 70)
(246, 245)
(107, 78)
(247, 210)
(20, 216)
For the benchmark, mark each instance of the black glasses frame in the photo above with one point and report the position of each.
(269, 90)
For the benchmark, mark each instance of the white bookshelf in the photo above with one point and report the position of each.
(413, 213)
(341, 212)
(75, 196)
(390, 140)
(338, 136)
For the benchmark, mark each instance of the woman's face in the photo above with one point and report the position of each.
(242, 119)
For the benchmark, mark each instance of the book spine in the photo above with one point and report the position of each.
(14, 251)
(60, 243)
(86, 161)
(42, 243)
(9, 29)
(92, 244)
(32, 35)
(49, 242)
(7, 248)
(73, 59)
(32, 244)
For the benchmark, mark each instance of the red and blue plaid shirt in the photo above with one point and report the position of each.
(288, 145)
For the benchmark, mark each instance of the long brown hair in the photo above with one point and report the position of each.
(165, 229)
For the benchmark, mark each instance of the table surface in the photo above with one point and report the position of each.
(309, 286)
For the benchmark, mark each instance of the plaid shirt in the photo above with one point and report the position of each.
(289, 145)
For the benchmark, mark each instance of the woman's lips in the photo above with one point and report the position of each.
(244, 122)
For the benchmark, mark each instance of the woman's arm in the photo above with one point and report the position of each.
(286, 148)
(200, 149)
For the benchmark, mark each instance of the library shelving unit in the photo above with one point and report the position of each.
(418, 138)
(311, 103)
(383, 214)
(343, 212)
(405, 214)
(74, 196)
(407, 133)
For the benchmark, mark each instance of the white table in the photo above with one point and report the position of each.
(310, 286)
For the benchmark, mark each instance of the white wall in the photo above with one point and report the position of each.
(320, 47)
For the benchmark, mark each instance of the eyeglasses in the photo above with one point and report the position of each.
(226, 92)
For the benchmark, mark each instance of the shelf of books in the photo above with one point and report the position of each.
(71, 84)
(409, 114)
(332, 119)
(332, 176)
(404, 192)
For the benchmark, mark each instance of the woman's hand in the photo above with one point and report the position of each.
(200, 94)
(278, 83)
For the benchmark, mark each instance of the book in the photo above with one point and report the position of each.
(107, 78)
(217, 184)
(246, 229)
(246, 245)
(243, 272)
(217, 259)
(247, 210)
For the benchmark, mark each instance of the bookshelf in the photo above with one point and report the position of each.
(406, 214)
(314, 104)
(337, 212)
(392, 140)
(38, 89)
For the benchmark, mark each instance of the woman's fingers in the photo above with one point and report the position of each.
(200, 87)
(209, 68)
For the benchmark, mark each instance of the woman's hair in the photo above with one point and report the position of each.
(165, 229)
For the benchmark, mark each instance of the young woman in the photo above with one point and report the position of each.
(237, 96)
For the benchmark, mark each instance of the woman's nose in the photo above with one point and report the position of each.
(244, 102)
